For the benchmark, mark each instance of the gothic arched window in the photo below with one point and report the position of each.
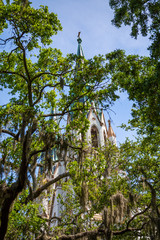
(94, 136)
(105, 138)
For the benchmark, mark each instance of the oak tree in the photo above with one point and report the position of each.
(44, 87)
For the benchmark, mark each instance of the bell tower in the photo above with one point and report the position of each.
(97, 135)
(98, 132)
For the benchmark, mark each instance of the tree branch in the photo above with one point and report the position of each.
(52, 74)
(80, 235)
(129, 230)
(98, 232)
(46, 73)
(28, 75)
(137, 214)
(50, 219)
(14, 73)
(41, 91)
(6, 40)
(46, 185)
(63, 112)
(12, 192)
(9, 133)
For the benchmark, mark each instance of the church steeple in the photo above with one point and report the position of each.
(96, 136)
(111, 134)
(79, 50)
(110, 130)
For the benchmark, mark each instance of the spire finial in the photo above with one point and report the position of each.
(79, 40)
(79, 34)
(79, 50)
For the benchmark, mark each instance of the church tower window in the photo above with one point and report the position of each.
(94, 136)
(105, 138)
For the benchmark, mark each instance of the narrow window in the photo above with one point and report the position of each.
(94, 136)
(105, 139)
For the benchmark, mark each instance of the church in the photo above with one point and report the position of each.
(97, 135)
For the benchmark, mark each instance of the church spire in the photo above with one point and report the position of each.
(79, 50)
(110, 130)
(111, 134)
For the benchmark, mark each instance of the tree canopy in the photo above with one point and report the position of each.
(142, 16)
(118, 186)
(142, 75)
(139, 76)
(44, 86)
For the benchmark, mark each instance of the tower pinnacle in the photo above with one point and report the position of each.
(110, 130)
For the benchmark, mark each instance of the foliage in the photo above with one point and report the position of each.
(94, 192)
(141, 160)
(24, 220)
(143, 16)
(44, 87)
(139, 76)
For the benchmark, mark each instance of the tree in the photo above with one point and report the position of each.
(144, 90)
(143, 17)
(139, 76)
(39, 80)
(44, 88)
(142, 166)
(140, 158)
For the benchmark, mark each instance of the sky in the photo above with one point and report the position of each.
(93, 19)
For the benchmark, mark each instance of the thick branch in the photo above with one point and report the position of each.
(45, 73)
(52, 74)
(137, 214)
(80, 235)
(50, 219)
(98, 232)
(36, 152)
(63, 112)
(14, 73)
(9, 133)
(12, 192)
(46, 185)
(129, 230)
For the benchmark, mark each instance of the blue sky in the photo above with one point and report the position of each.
(93, 19)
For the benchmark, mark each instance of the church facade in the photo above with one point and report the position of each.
(96, 136)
